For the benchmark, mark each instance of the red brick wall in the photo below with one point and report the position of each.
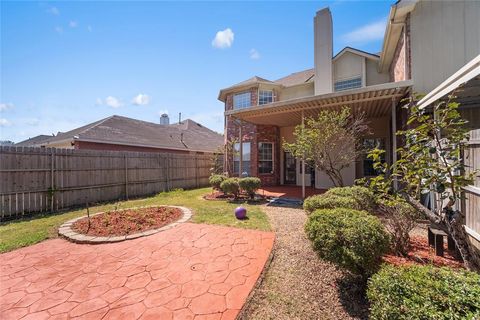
(118, 147)
(254, 134)
(400, 67)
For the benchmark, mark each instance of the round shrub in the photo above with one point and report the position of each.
(250, 185)
(216, 179)
(230, 186)
(424, 292)
(329, 201)
(363, 196)
(352, 239)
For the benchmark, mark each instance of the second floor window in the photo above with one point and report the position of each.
(348, 84)
(265, 96)
(241, 100)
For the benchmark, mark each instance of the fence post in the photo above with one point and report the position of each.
(126, 175)
(52, 181)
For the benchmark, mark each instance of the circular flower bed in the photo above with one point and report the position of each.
(120, 225)
(128, 221)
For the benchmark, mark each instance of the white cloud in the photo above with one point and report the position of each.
(223, 39)
(59, 29)
(6, 106)
(254, 54)
(32, 121)
(89, 28)
(367, 33)
(54, 11)
(4, 122)
(73, 24)
(141, 99)
(113, 102)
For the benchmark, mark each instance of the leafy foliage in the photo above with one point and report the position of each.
(431, 161)
(329, 201)
(362, 195)
(216, 179)
(424, 292)
(331, 141)
(230, 186)
(250, 185)
(352, 239)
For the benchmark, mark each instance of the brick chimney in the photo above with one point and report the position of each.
(323, 51)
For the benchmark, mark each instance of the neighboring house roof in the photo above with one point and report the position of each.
(35, 141)
(297, 78)
(187, 136)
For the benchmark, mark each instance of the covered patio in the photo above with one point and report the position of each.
(379, 104)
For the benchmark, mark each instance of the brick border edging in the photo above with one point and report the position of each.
(65, 230)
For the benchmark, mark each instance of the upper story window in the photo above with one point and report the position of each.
(265, 96)
(351, 83)
(242, 100)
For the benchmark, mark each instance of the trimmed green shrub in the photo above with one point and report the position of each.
(230, 186)
(424, 292)
(363, 196)
(352, 239)
(329, 201)
(216, 179)
(250, 185)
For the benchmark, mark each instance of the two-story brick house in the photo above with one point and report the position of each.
(424, 43)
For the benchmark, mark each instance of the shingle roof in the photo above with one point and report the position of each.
(297, 78)
(189, 135)
(30, 142)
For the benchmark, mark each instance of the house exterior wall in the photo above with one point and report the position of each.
(400, 68)
(444, 37)
(347, 66)
(373, 76)
(304, 90)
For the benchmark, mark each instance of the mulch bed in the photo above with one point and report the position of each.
(218, 195)
(421, 254)
(125, 222)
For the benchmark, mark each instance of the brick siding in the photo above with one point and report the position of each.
(400, 68)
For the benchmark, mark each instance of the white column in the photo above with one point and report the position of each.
(240, 165)
(394, 139)
(303, 162)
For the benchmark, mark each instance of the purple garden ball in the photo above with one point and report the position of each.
(240, 213)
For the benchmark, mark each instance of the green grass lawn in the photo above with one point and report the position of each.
(20, 233)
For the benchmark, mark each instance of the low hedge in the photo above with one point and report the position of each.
(329, 201)
(424, 292)
(250, 185)
(352, 239)
(363, 196)
(230, 186)
(216, 179)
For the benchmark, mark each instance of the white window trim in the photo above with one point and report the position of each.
(273, 158)
(240, 93)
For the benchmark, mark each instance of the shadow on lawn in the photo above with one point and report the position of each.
(352, 295)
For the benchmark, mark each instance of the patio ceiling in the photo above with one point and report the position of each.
(374, 101)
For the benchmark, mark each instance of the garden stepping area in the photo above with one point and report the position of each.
(192, 271)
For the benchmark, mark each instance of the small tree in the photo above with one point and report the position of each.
(431, 160)
(332, 141)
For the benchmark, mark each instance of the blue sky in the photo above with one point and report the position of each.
(66, 64)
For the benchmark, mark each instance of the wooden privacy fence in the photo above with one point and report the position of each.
(47, 179)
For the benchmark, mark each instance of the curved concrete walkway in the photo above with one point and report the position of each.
(192, 271)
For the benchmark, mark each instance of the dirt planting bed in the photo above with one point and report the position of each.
(128, 221)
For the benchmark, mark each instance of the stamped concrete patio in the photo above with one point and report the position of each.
(192, 271)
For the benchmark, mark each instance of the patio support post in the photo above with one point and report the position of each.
(303, 162)
(240, 165)
(394, 139)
